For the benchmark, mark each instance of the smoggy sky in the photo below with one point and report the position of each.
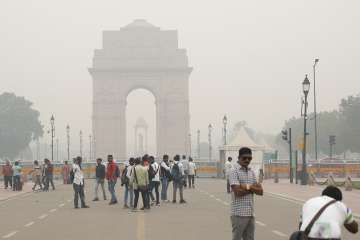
(249, 57)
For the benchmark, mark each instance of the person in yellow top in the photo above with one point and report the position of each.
(141, 184)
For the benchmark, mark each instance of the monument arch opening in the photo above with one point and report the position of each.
(140, 55)
(141, 123)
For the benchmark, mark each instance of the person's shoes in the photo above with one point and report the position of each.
(174, 201)
(105, 199)
(76, 207)
(85, 206)
(134, 210)
(125, 206)
(158, 204)
(142, 208)
(95, 199)
(112, 203)
(182, 201)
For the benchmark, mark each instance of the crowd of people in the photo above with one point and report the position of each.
(141, 176)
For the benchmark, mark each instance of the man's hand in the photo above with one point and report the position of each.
(257, 189)
(240, 190)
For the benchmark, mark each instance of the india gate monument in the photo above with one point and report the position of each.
(140, 55)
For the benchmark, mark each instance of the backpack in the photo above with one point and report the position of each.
(124, 179)
(117, 171)
(176, 174)
(152, 172)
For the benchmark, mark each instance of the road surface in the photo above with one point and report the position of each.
(51, 215)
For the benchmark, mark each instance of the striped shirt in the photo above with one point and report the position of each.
(242, 206)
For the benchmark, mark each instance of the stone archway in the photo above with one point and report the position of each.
(140, 55)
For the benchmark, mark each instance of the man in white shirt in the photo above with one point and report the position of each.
(192, 173)
(185, 164)
(329, 224)
(78, 184)
(155, 182)
(228, 168)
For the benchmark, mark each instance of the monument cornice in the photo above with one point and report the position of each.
(187, 70)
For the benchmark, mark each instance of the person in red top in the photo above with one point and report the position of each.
(112, 173)
(7, 172)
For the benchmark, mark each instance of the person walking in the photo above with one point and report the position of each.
(36, 172)
(65, 172)
(7, 172)
(336, 214)
(244, 185)
(228, 168)
(154, 178)
(165, 177)
(126, 177)
(100, 173)
(112, 175)
(43, 175)
(177, 173)
(192, 173)
(185, 164)
(49, 174)
(141, 184)
(17, 176)
(78, 184)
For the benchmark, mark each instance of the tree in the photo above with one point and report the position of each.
(19, 125)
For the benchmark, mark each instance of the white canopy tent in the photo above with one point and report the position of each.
(242, 139)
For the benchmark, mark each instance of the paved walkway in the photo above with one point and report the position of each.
(6, 194)
(302, 193)
(206, 216)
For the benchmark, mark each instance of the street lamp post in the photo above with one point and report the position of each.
(90, 153)
(52, 122)
(190, 149)
(57, 150)
(315, 113)
(225, 130)
(68, 142)
(306, 89)
(81, 142)
(198, 143)
(210, 146)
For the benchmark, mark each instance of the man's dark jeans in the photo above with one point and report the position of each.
(144, 195)
(16, 183)
(8, 181)
(49, 180)
(155, 185)
(191, 179)
(79, 192)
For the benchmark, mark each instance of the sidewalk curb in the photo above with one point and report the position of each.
(299, 201)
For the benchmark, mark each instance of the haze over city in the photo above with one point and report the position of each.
(249, 58)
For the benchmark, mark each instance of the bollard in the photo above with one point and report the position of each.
(276, 178)
(348, 183)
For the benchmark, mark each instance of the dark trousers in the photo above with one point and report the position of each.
(79, 192)
(8, 181)
(16, 183)
(191, 179)
(144, 195)
(49, 180)
(228, 186)
(155, 185)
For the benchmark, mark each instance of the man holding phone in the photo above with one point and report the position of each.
(244, 185)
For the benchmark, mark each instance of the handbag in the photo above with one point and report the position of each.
(304, 235)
